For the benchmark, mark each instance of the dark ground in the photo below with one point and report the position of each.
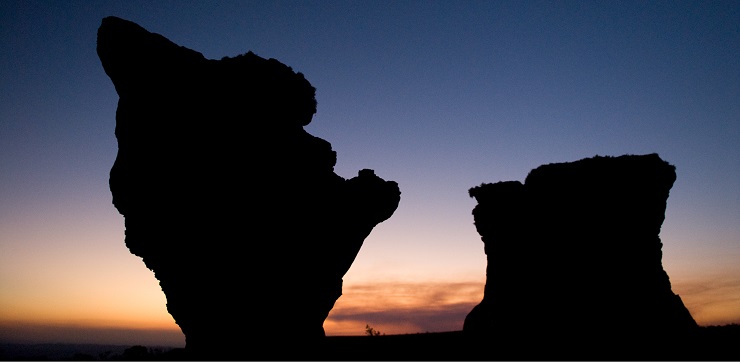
(717, 343)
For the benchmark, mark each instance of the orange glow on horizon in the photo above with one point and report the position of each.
(388, 307)
(711, 301)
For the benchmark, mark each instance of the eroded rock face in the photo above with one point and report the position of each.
(574, 254)
(231, 203)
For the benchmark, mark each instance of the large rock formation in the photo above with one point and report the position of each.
(231, 203)
(574, 259)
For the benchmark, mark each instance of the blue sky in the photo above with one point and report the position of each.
(439, 96)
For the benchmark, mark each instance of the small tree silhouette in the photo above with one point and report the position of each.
(371, 332)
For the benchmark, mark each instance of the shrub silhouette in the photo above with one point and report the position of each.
(371, 332)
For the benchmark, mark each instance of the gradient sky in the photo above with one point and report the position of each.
(439, 96)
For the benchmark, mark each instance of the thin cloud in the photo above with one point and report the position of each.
(403, 307)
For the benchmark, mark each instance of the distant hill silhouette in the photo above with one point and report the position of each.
(574, 258)
(232, 204)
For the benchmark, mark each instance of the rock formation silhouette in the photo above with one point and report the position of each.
(574, 259)
(226, 198)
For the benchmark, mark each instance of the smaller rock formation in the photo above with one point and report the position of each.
(232, 204)
(574, 259)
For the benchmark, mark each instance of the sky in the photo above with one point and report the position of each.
(439, 96)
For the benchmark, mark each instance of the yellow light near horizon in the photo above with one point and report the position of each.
(95, 311)
(711, 300)
(61, 287)
(142, 311)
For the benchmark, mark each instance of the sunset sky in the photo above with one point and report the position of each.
(439, 96)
